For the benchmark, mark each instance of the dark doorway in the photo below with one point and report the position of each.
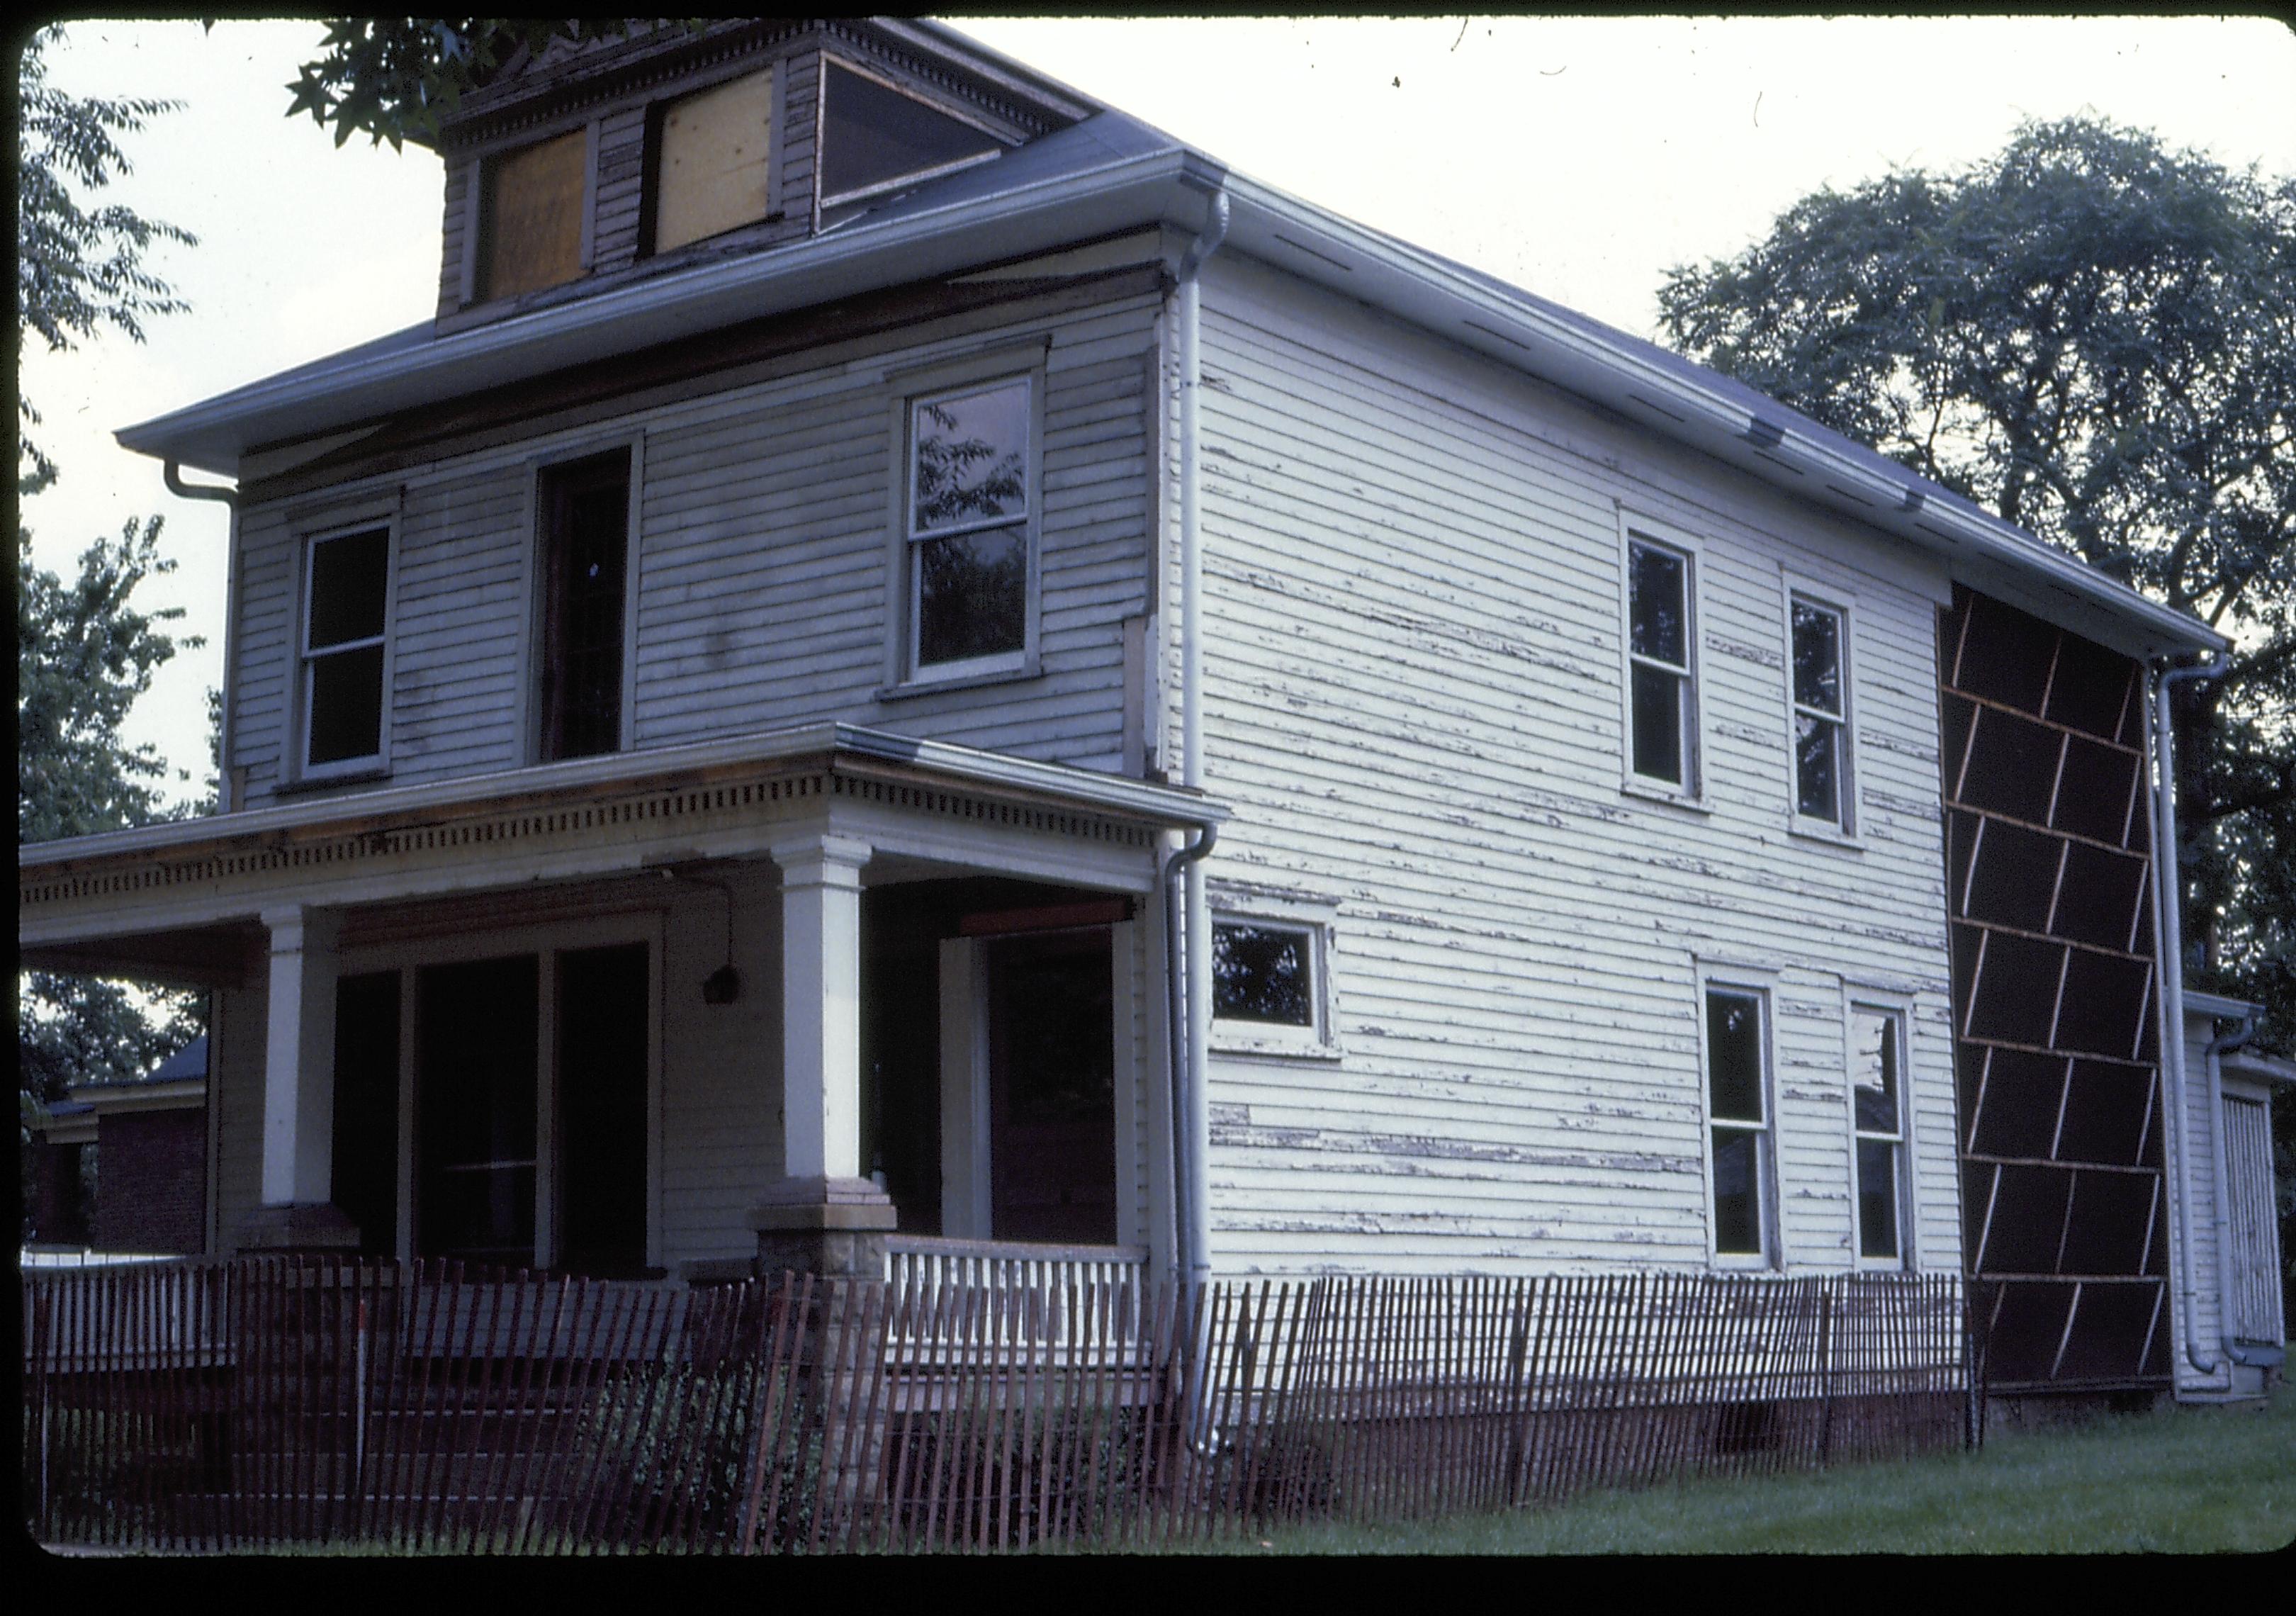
(1052, 1064)
(474, 1102)
(365, 1187)
(600, 1189)
(585, 547)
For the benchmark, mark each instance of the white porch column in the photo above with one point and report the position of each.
(821, 1005)
(298, 1064)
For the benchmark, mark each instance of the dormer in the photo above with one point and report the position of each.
(604, 160)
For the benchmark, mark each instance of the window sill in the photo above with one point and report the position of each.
(1818, 830)
(324, 783)
(1646, 793)
(1247, 1046)
(1030, 670)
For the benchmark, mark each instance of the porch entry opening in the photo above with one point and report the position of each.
(490, 1113)
(1052, 1089)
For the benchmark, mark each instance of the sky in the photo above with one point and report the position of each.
(1579, 158)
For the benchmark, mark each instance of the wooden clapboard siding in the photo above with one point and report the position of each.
(1413, 700)
(615, 241)
(761, 572)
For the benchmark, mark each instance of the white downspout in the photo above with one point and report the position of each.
(2167, 888)
(226, 798)
(1196, 1217)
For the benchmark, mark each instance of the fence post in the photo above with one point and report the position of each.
(1825, 1372)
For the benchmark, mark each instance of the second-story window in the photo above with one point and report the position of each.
(585, 508)
(1662, 698)
(530, 222)
(1821, 735)
(970, 523)
(347, 596)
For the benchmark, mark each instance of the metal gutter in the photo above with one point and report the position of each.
(1114, 794)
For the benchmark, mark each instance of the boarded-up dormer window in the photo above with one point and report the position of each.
(532, 235)
(872, 136)
(714, 167)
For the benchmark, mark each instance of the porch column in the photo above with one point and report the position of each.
(822, 1214)
(299, 1068)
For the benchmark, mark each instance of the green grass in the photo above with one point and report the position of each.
(2182, 1480)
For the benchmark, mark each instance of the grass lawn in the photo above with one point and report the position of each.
(2182, 1480)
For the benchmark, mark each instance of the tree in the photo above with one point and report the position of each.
(84, 651)
(2095, 337)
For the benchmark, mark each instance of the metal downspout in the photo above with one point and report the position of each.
(2168, 885)
(226, 798)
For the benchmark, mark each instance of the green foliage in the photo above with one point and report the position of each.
(393, 78)
(79, 267)
(2096, 338)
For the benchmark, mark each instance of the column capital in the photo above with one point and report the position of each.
(294, 926)
(823, 859)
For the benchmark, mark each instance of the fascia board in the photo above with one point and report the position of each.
(1363, 265)
(1104, 199)
(834, 743)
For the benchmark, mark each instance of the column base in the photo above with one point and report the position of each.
(823, 1226)
(311, 1225)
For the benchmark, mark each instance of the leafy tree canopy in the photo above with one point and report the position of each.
(2095, 337)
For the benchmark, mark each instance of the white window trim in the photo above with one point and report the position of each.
(1761, 986)
(1691, 793)
(1792, 589)
(1316, 920)
(408, 956)
(536, 579)
(1854, 998)
(907, 389)
(296, 753)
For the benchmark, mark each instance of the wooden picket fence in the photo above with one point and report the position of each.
(430, 1408)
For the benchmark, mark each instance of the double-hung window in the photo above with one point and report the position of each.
(346, 608)
(1738, 1125)
(1662, 697)
(1877, 1064)
(1822, 784)
(969, 541)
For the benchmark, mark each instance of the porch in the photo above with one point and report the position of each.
(669, 1013)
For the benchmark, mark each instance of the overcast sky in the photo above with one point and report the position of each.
(1578, 158)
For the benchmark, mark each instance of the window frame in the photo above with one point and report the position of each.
(1313, 920)
(1636, 530)
(297, 768)
(536, 585)
(1761, 987)
(1897, 1010)
(477, 270)
(822, 201)
(1842, 606)
(907, 390)
(657, 113)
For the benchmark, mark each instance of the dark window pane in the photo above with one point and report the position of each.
(1261, 973)
(1658, 724)
(347, 705)
(1873, 1071)
(1734, 1054)
(1817, 658)
(603, 1013)
(349, 578)
(474, 1123)
(972, 594)
(366, 1160)
(1817, 780)
(1737, 1193)
(1877, 1198)
(871, 134)
(972, 458)
(1655, 605)
(585, 516)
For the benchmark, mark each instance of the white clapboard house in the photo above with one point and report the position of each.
(909, 659)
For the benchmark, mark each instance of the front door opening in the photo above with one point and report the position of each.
(1052, 1073)
(601, 1182)
(474, 1112)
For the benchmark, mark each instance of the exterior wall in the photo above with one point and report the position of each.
(2049, 882)
(150, 1192)
(2196, 1290)
(761, 558)
(1413, 699)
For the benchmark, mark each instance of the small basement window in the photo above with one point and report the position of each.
(347, 595)
(530, 236)
(714, 161)
(873, 137)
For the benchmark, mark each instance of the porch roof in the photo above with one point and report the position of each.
(173, 885)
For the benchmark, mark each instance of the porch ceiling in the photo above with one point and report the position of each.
(174, 894)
